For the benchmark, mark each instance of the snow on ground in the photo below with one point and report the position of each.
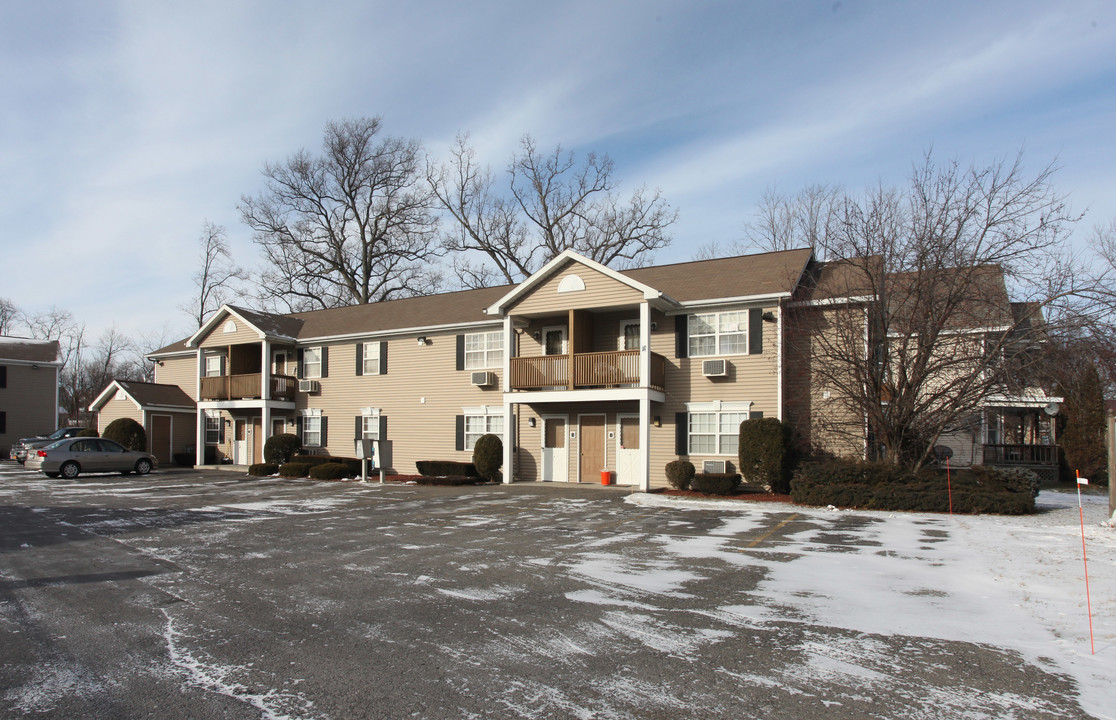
(1011, 582)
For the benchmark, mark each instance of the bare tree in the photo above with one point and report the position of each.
(216, 278)
(914, 330)
(352, 225)
(10, 317)
(552, 203)
(807, 219)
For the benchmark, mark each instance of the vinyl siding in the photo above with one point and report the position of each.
(180, 371)
(600, 291)
(28, 403)
(120, 406)
(219, 338)
(421, 395)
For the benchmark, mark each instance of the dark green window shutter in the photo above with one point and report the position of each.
(359, 433)
(220, 430)
(755, 415)
(755, 331)
(460, 353)
(459, 440)
(682, 433)
(298, 424)
(298, 371)
(324, 423)
(325, 365)
(359, 359)
(383, 357)
(681, 336)
(383, 427)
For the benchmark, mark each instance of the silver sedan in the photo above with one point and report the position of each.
(74, 456)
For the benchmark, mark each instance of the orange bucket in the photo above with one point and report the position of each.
(606, 477)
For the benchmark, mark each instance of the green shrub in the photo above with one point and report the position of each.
(294, 469)
(488, 456)
(281, 448)
(1020, 479)
(437, 468)
(765, 454)
(89, 432)
(128, 433)
(715, 483)
(876, 486)
(331, 471)
(448, 480)
(679, 474)
(263, 469)
(311, 460)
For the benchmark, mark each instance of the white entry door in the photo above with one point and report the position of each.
(240, 445)
(629, 460)
(555, 453)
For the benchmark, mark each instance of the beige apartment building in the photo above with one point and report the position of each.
(580, 368)
(28, 389)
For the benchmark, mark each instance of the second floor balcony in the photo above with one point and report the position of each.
(1020, 455)
(582, 371)
(247, 387)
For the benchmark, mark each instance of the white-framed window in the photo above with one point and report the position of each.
(213, 365)
(715, 427)
(212, 428)
(482, 421)
(312, 362)
(280, 363)
(372, 358)
(484, 350)
(719, 333)
(370, 427)
(312, 430)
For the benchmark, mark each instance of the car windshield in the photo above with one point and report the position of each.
(60, 432)
(55, 446)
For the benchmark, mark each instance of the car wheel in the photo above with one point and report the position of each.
(143, 466)
(69, 470)
(51, 475)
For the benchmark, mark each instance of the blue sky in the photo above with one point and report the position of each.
(125, 125)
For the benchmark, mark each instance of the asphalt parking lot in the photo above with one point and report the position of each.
(190, 595)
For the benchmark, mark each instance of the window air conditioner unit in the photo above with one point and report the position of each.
(309, 386)
(713, 466)
(482, 379)
(714, 368)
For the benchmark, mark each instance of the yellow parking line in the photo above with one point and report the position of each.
(767, 534)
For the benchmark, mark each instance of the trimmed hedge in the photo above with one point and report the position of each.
(128, 433)
(294, 470)
(263, 469)
(680, 473)
(873, 486)
(352, 464)
(488, 456)
(446, 468)
(331, 471)
(765, 454)
(715, 483)
(449, 480)
(281, 448)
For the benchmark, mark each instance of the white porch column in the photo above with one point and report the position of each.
(265, 374)
(645, 440)
(199, 448)
(266, 429)
(509, 442)
(509, 345)
(644, 345)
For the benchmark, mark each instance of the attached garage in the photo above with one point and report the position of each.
(167, 414)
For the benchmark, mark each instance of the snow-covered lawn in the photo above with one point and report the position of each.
(1012, 582)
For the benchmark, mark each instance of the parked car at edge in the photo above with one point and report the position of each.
(20, 447)
(71, 457)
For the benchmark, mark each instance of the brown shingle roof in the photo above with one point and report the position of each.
(27, 350)
(762, 274)
(157, 394)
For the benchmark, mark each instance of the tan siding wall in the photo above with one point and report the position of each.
(180, 371)
(118, 407)
(600, 291)
(421, 395)
(28, 403)
(219, 338)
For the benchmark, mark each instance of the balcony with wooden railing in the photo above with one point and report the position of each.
(1020, 455)
(247, 387)
(590, 370)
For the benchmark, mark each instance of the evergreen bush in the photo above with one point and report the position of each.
(89, 432)
(128, 433)
(281, 448)
(715, 483)
(331, 471)
(294, 470)
(263, 469)
(488, 456)
(437, 468)
(766, 454)
(679, 474)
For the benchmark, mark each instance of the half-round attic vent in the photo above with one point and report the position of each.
(571, 283)
(230, 327)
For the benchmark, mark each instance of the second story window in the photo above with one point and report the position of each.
(213, 365)
(312, 363)
(484, 350)
(371, 358)
(724, 333)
